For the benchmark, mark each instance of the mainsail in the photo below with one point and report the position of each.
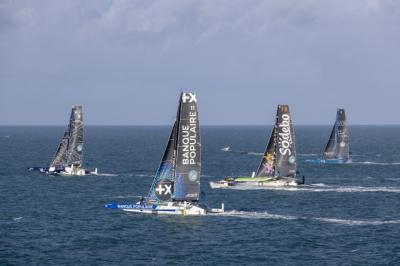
(75, 140)
(338, 145)
(267, 165)
(188, 151)
(70, 149)
(178, 176)
(285, 149)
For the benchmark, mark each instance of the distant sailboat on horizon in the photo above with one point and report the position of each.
(278, 164)
(68, 158)
(175, 189)
(337, 150)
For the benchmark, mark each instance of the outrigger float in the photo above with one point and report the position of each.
(278, 165)
(337, 150)
(69, 155)
(176, 186)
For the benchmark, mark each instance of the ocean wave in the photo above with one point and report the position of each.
(307, 154)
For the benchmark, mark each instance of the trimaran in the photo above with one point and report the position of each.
(176, 186)
(69, 155)
(337, 150)
(278, 165)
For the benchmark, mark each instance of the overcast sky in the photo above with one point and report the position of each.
(127, 61)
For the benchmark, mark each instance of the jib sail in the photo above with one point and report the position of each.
(267, 165)
(162, 187)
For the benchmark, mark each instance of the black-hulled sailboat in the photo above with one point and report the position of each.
(69, 155)
(278, 165)
(176, 186)
(337, 150)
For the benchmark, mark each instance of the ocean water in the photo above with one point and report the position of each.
(345, 214)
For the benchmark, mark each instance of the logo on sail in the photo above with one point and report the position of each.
(285, 137)
(164, 189)
(193, 175)
(189, 138)
(189, 97)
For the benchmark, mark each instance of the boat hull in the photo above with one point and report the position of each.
(65, 171)
(173, 208)
(264, 182)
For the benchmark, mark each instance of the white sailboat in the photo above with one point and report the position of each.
(278, 165)
(337, 150)
(176, 186)
(68, 158)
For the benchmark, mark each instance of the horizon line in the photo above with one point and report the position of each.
(158, 125)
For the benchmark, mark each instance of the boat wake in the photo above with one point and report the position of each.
(319, 187)
(266, 215)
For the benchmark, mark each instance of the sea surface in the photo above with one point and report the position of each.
(344, 215)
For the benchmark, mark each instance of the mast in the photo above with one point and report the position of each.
(342, 136)
(267, 164)
(75, 140)
(188, 151)
(285, 149)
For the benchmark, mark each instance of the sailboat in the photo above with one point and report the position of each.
(176, 185)
(278, 164)
(69, 155)
(337, 150)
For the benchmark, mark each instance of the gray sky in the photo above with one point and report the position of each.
(126, 61)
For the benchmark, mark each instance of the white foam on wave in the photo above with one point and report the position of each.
(319, 187)
(255, 215)
(307, 154)
(255, 153)
(357, 222)
(106, 174)
(17, 219)
(267, 215)
(376, 163)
